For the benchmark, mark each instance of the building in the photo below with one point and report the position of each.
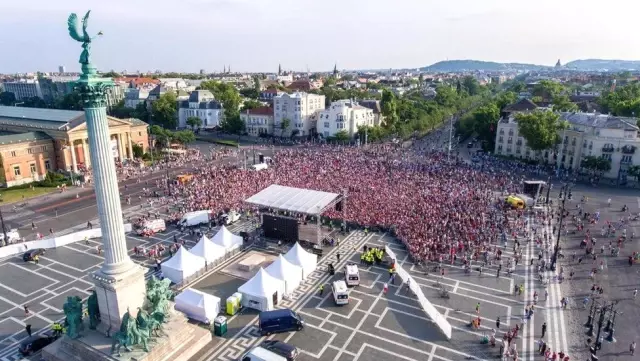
(300, 110)
(589, 134)
(62, 69)
(344, 115)
(301, 85)
(258, 121)
(23, 89)
(56, 87)
(134, 96)
(201, 104)
(34, 141)
(269, 94)
(373, 104)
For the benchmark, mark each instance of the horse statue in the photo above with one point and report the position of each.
(73, 316)
(158, 294)
(123, 337)
(94, 310)
(148, 324)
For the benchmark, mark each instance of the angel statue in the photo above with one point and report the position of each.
(84, 38)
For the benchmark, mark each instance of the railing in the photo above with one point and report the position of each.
(628, 149)
(608, 149)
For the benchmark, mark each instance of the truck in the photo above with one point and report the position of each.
(12, 235)
(147, 228)
(195, 218)
(231, 217)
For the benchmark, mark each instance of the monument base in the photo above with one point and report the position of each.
(117, 294)
(181, 342)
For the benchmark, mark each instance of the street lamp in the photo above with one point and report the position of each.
(554, 259)
(72, 171)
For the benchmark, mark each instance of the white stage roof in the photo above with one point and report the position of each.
(293, 199)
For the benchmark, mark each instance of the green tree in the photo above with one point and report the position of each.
(547, 89)
(232, 124)
(506, 98)
(110, 74)
(540, 129)
(446, 96)
(421, 80)
(71, 101)
(120, 111)
(562, 103)
(164, 110)
(251, 104)
(624, 101)
(284, 125)
(7, 98)
(161, 135)
(194, 122)
(227, 94)
(141, 112)
(634, 171)
(34, 102)
(471, 85)
(341, 135)
(138, 151)
(389, 108)
(3, 177)
(256, 84)
(486, 121)
(183, 137)
(250, 93)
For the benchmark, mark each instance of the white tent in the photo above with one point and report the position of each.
(208, 250)
(182, 265)
(289, 273)
(198, 305)
(299, 257)
(262, 292)
(226, 239)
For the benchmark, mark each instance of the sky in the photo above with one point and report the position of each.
(257, 35)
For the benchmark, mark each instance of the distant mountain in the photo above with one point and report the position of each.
(603, 65)
(476, 65)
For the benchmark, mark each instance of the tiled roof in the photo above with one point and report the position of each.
(371, 104)
(44, 114)
(521, 105)
(136, 122)
(596, 120)
(10, 138)
(260, 111)
(198, 96)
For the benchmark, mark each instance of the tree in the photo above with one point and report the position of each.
(3, 177)
(486, 121)
(34, 102)
(164, 110)
(389, 108)
(540, 129)
(624, 101)
(421, 80)
(233, 124)
(470, 85)
(7, 98)
(284, 125)
(251, 104)
(506, 98)
(194, 122)
(141, 112)
(562, 103)
(256, 84)
(548, 89)
(183, 137)
(122, 112)
(138, 151)
(250, 93)
(162, 136)
(634, 171)
(227, 94)
(341, 135)
(112, 74)
(446, 96)
(71, 101)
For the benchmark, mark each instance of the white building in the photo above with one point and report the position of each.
(300, 109)
(134, 96)
(201, 104)
(258, 121)
(24, 89)
(344, 115)
(589, 134)
(288, 78)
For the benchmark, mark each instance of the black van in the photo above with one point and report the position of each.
(279, 321)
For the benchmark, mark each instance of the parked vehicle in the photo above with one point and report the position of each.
(261, 354)
(194, 218)
(259, 166)
(285, 350)
(283, 320)
(231, 217)
(12, 235)
(150, 227)
(340, 292)
(35, 343)
(351, 275)
(30, 254)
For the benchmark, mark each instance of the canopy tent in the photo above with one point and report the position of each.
(286, 271)
(299, 257)
(182, 265)
(262, 292)
(291, 199)
(198, 305)
(226, 239)
(208, 250)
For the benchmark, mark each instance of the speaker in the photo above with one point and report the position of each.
(261, 157)
(278, 227)
(339, 206)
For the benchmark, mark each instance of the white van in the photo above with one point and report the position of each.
(259, 166)
(340, 292)
(12, 235)
(151, 226)
(194, 218)
(261, 354)
(231, 217)
(351, 275)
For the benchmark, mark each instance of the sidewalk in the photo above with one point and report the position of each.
(71, 192)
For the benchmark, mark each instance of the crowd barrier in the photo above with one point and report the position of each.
(432, 312)
(53, 242)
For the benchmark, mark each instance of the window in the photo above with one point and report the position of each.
(606, 156)
(510, 140)
(30, 150)
(626, 159)
(47, 164)
(32, 167)
(16, 170)
(500, 140)
(13, 153)
(44, 148)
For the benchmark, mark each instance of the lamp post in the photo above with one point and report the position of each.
(71, 172)
(554, 259)
(610, 337)
(548, 189)
(5, 240)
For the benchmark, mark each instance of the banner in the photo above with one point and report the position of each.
(429, 309)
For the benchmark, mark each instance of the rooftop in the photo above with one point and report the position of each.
(44, 114)
(10, 138)
(521, 105)
(260, 111)
(291, 199)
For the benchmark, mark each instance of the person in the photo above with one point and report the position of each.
(86, 240)
(36, 259)
(26, 310)
(632, 348)
(498, 323)
(320, 290)
(544, 329)
(478, 307)
(28, 329)
(338, 256)
(635, 293)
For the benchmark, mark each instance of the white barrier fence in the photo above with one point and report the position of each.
(432, 312)
(18, 248)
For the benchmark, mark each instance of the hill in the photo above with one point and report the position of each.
(476, 65)
(603, 65)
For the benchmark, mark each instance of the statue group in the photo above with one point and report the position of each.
(147, 323)
(73, 311)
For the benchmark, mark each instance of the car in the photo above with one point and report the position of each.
(36, 343)
(30, 254)
(290, 352)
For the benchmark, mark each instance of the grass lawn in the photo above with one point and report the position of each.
(15, 195)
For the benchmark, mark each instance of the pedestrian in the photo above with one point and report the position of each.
(632, 348)
(338, 256)
(385, 288)
(544, 329)
(36, 259)
(26, 310)
(320, 290)
(498, 322)
(635, 293)
(28, 329)
(478, 307)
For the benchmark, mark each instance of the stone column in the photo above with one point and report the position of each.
(121, 152)
(85, 149)
(74, 163)
(130, 145)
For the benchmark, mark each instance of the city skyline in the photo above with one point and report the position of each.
(256, 36)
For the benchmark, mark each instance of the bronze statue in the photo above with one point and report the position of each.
(93, 310)
(84, 38)
(73, 316)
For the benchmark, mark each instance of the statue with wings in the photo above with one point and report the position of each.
(84, 38)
